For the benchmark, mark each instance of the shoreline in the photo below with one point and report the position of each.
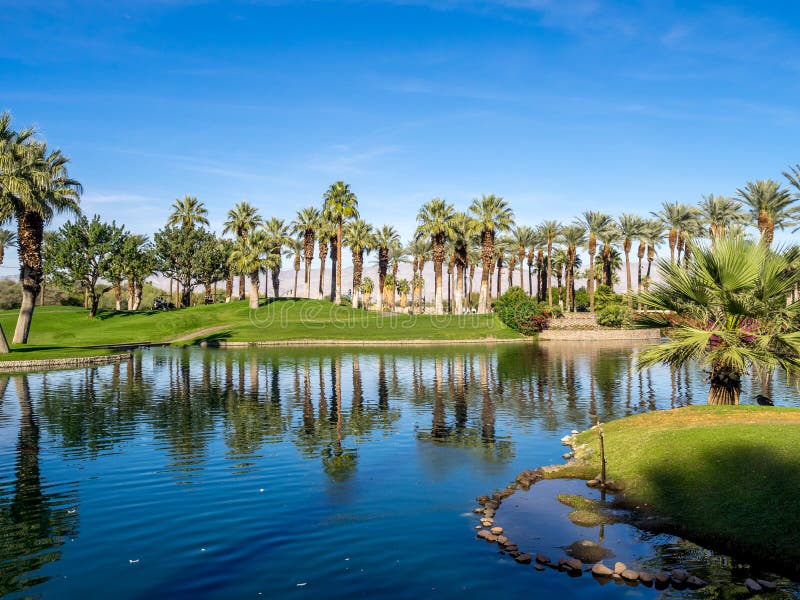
(16, 366)
(351, 343)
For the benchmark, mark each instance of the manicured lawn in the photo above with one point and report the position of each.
(726, 476)
(61, 327)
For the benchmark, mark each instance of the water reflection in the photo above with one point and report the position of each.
(206, 418)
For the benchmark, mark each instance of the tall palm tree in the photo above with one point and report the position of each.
(609, 237)
(248, 256)
(366, 288)
(464, 231)
(653, 235)
(340, 204)
(550, 230)
(770, 205)
(305, 224)
(434, 218)
(675, 216)
(188, 212)
(522, 237)
(243, 219)
(594, 222)
(325, 232)
(493, 216)
(295, 249)
(360, 238)
(420, 251)
(385, 238)
(573, 237)
(630, 227)
(719, 213)
(51, 191)
(277, 236)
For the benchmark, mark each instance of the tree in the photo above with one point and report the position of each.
(675, 217)
(277, 235)
(397, 254)
(250, 256)
(341, 205)
(719, 213)
(295, 249)
(305, 224)
(630, 227)
(385, 237)
(243, 219)
(367, 286)
(211, 264)
(609, 237)
(324, 233)
(653, 235)
(7, 239)
(139, 263)
(493, 216)
(550, 230)
(573, 237)
(523, 238)
(464, 230)
(82, 252)
(188, 212)
(727, 310)
(420, 251)
(360, 238)
(594, 222)
(403, 287)
(770, 205)
(177, 256)
(434, 218)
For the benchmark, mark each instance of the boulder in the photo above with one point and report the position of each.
(619, 567)
(497, 530)
(752, 585)
(629, 575)
(566, 455)
(601, 570)
(573, 564)
(484, 534)
(767, 585)
(679, 575)
(695, 582)
(487, 522)
(542, 558)
(511, 547)
(523, 559)
(593, 483)
(662, 577)
(588, 551)
(502, 540)
(646, 578)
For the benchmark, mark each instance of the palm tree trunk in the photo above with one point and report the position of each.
(627, 248)
(228, 287)
(308, 277)
(459, 295)
(254, 283)
(338, 297)
(590, 282)
(322, 279)
(487, 256)
(334, 268)
(725, 388)
(549, 273)
(30, 230)
(276, 282)
(241, 286)
(358, 268)
(117, 295)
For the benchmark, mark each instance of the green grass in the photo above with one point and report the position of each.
(728, 477)
(44, 353)
(284, 320)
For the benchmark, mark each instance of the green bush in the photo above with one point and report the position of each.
(605, 296)
(615, 315)
(581, 300)
(520, 312)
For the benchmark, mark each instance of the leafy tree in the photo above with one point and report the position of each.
(727, 310)
(135, 262)
(179, 254)
(493, 216)
(550, 230)
(82, 253)
(340, 205)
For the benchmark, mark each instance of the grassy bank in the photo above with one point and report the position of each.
(57, 328)
(728, 477)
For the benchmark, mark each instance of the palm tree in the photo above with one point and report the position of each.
(420, 251)
(7, 239)
(243, 219)
(630, 227)
(277, 235)
(493, 215)
(340, 204)
(397, 254)
(726, 310)
(325, 233)
(719, 213)
(675, 217)
(305, 224)
(366, 288)
(770, 205)
(463, 232)
(403, 287)
(653, 235)
(385, 238)
(434, 218)
(523, 237)
(50, 191)
(295, 249)
(609, 237)
(360, 238)
(188, 212)
(573, 237)
(248, 257)
(550, 230)
(594, 222)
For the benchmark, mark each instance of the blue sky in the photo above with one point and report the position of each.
(557, 106)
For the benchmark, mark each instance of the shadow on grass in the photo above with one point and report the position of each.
(213, 340)
(741, 497)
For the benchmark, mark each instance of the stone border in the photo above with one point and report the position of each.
(315, 342)
(599, 335)
(62, 363)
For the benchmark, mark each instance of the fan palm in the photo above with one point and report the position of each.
(366, 288)
(549, 230)
(305, 224)
(295, 247)
(573, 237)
(719, 213)
(243, 219)
(653, 235)
(464, 231)
(325, 233)
(727, 310)
(493, 216)
(609, 237)
(522, 237)
(250, 255)
(360, 238)
(420, 251)
(770, 205)
(434, 218)
(7, 239)
(676, 217)
(630, 227)
(385, 238)
(276, 236)
(340, 204)
(594, 222)
(188, 212)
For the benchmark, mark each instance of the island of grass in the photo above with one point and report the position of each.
(67, 331)
(726, 477)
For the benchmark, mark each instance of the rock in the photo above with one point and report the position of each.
(695, 582)
(497, 530)
(513, 553)
(679, 574)
(767, 585)
(573, 564)
(662, 577)
(752, 585)
(542, 558)
(574, 432)
(478, 510)
(511, 547)
(645, 577)
(507, 493)
(502, 540)
(488, 513)
(601, 570)
(614, 486)
(567, 439)
(482, 500)
(566, 455)
(588, 551)
(484, 534)
(478, 527)
(539, 567)
(629, 575)
(593, 483)
(619, 567)
(523, 559)
(487, 522)
(492, 505)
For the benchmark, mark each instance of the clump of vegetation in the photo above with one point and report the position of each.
(520, 312)
(612, 310)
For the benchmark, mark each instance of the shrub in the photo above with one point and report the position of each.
(615, 315)
(605, 296)
(581, 300)
(520, 312)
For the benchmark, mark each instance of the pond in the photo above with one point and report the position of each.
(311, 473)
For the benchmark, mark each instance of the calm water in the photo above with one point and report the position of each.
(312, 473)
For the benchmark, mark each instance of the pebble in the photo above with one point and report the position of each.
(645, 577)
(573, 564)
(487, 522)
(566, 455)
(542, 558)
(501, 539)
(539, 567)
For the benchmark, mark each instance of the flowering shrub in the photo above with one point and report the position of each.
(519, 312)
